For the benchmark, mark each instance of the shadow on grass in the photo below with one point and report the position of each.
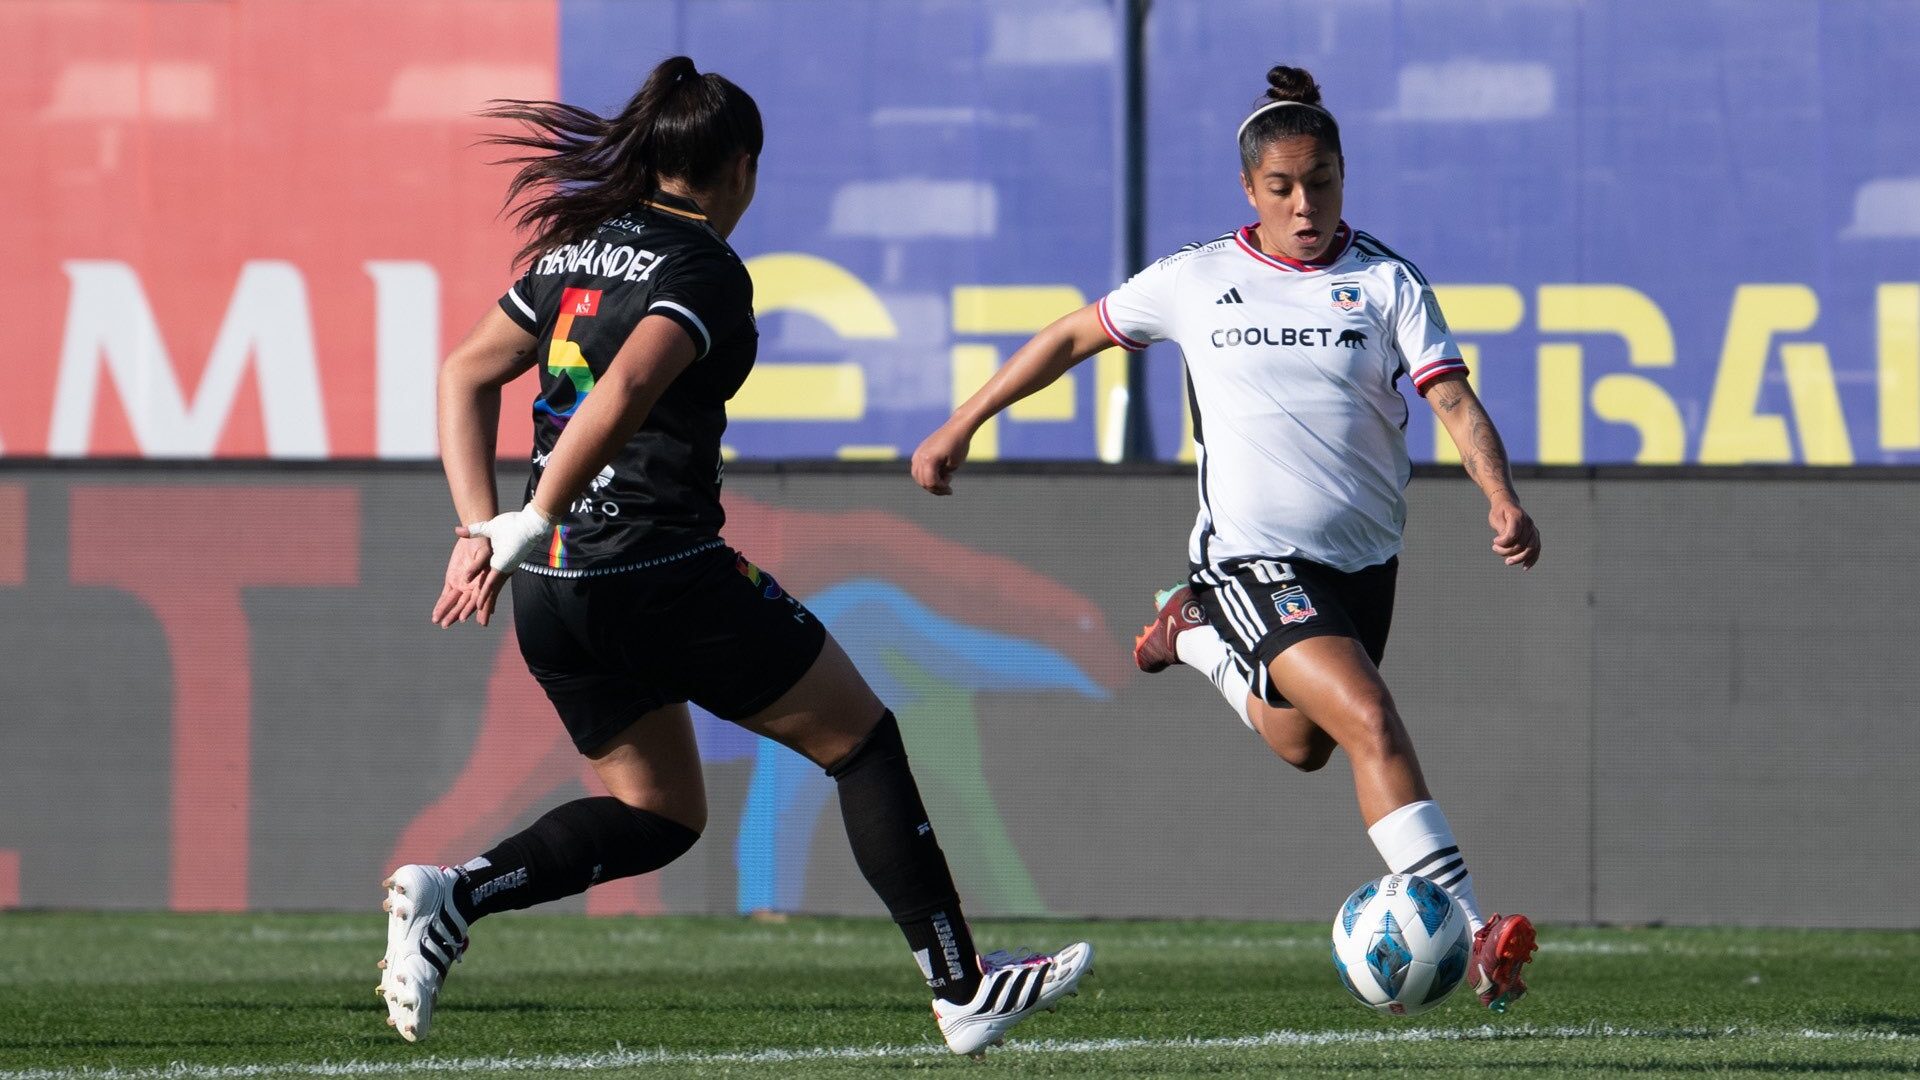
(1878, 1022)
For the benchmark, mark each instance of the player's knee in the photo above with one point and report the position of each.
(688, 812)
(1373, 730)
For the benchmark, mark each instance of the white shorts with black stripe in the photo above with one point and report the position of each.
(1262, 606)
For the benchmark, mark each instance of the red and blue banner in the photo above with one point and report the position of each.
(1665, 233)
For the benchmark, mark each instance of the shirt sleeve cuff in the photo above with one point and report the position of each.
(520, 311)
(680, 313)
(1426, 375)
(1113, 332)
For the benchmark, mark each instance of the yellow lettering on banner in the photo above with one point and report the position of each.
(868, 452)
(1109, 402)
(809, 285)
(1011, 309)
(1816, 405)
(802, 392)
(1897, 311)
(1021, 309)
(1474, 309)
(1645, 405)
(1632, 316)
(1188, 451)
(1736, 432)
(1559, 419)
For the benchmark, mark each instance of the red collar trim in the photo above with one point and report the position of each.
(1342, 240)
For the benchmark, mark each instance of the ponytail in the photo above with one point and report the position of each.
(586, 169)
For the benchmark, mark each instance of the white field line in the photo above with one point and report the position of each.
(622, 1058)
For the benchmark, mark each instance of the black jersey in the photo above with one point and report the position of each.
(661, 495)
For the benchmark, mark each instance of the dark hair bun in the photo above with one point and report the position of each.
(1292, 84)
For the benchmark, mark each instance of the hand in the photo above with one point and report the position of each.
(464, 569)
(939, 457)
(498, 547)
(1515, 537)
(515, 534)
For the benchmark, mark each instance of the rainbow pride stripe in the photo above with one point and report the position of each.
(557, 551)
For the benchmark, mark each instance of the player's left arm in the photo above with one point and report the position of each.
(1515, 537)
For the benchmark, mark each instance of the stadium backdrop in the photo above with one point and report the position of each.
(1666, 234)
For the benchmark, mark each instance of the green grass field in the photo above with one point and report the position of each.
(256, 996)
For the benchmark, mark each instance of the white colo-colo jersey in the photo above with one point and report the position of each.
(1292, 375)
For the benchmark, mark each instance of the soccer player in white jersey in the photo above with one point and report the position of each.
(1297, 331)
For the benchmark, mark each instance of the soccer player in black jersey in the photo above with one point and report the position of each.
(627, 601)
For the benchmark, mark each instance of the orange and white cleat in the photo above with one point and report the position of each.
(1177, 613)
(1500, 949)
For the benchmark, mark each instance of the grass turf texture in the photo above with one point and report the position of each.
(553, 996)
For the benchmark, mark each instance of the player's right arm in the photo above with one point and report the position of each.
(1050, 354)
(496, 351)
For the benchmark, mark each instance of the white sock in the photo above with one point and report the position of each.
(1202, 650)
(1416, 839)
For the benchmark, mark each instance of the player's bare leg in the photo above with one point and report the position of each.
(1335, 688)
(1339, 691)
(655, 765)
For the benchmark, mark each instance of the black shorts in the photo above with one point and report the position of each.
(1262, 606)
(708, 627)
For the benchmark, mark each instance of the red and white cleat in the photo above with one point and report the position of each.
(1178, 612)
(1500, 949)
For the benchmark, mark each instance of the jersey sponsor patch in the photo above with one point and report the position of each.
(1352, 339)
(1293, 605)
(583, 302)
(1348, 297)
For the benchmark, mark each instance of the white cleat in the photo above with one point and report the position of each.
(1012, 989)
(425, 936)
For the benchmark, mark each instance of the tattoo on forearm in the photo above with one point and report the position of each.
(1448, 396)
(1484, 456)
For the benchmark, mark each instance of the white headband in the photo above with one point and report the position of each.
(1274, 105)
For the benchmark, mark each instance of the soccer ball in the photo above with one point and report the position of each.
(1400, 944)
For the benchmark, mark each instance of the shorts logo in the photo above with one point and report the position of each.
(1293, 605)
(1348, 298)
(762, 580)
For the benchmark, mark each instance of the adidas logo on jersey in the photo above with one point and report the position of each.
(1231, 296)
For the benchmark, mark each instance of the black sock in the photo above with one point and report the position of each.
(899, 856)
(572, 846)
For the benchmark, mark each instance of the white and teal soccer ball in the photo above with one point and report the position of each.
(1400, 944)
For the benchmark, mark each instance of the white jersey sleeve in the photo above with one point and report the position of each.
(1141, 311)
(1420, 331)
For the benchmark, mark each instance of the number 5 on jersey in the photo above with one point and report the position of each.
(564, 356)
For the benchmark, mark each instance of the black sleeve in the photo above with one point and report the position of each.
(521, 305)
(708, 293)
